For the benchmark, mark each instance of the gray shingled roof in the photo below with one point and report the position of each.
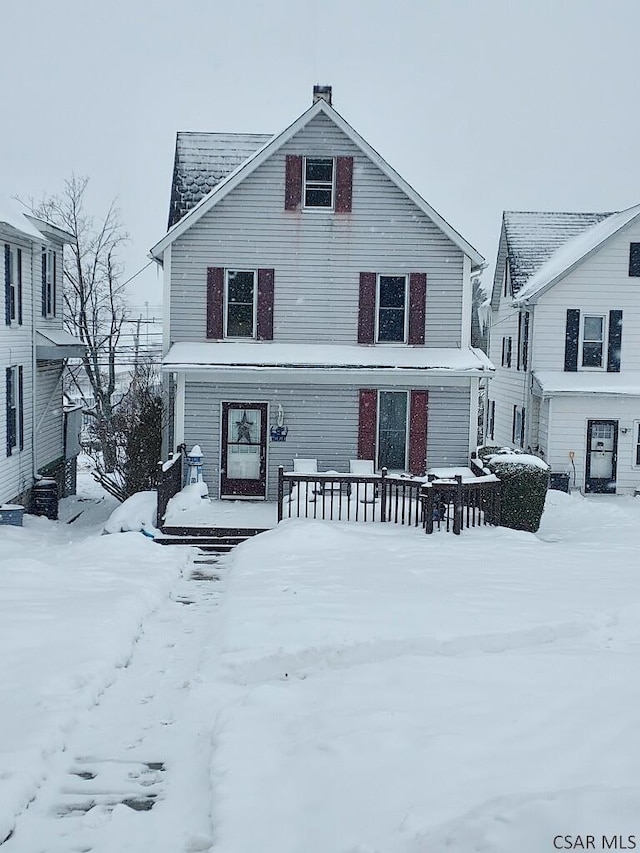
(532, 237)
(202, 160)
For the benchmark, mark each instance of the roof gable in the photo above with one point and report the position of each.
(574, 252)
(254, 160)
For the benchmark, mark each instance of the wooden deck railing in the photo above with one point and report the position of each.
(169, 481)
(452, 504)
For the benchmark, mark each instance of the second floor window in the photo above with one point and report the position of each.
(593, 336)
(240, 304)
(318, 182)
(634, 259)
(392, 308)
(507, 346)
(48, 283)
(13, 284)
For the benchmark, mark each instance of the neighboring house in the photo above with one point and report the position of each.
(36, 437)
(315, 306)
(565, 339)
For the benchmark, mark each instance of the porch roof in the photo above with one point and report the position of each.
(267, 355)
(550, 383)
(56, 344)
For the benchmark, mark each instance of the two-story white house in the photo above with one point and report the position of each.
(315, 306)
(565, 339)
(33, 351)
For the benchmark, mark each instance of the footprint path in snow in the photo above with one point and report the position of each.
(134, 774)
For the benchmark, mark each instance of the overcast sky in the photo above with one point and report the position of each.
(481, 106)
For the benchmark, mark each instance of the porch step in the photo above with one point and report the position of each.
(210, 540)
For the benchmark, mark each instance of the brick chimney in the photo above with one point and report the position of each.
(322, 93)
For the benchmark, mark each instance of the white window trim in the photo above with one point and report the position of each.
(405, 336)
(635, 444)
(407, 425)
(319, 184)
(16, 404)
(13, 283)
(253, 336)
(50, 270)
(605, 338)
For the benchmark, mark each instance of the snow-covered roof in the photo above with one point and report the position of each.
(534, 236)
(575, 250)
(268, 355)
(202, 160)
(552, 382)
(228, 183)
(53, 344)
(13, 215)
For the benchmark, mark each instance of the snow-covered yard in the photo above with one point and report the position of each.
(359, 689)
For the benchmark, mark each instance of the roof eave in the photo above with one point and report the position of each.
(251, 163)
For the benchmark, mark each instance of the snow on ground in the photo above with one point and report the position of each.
(389, 691)
(360, 689)
(72, 605)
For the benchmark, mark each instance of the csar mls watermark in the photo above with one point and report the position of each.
(594, 842)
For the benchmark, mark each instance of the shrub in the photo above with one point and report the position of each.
(525, 480)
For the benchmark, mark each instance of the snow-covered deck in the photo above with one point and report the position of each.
(210, 514)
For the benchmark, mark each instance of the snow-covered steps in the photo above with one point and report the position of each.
(217, 540)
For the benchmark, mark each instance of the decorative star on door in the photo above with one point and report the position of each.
(244, 429)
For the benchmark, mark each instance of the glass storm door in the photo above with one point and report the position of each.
(243, 472)
(602, 446)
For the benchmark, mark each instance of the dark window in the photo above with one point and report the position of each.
(517, 426)
(638, 444)
(507, 346)
(592, 341)
(318, 182)
(492, 419)
(240, 313)
(48, 283)
(634, 259)
(505, 278)
(392, 301)
(392, 430)
(523, 340)
(12, 408)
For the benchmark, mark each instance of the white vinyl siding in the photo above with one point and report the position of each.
(49, 414)
(322, 423)
(317, 259)
(598, 285)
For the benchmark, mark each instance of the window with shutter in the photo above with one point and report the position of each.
(634, 259)
(11, 391)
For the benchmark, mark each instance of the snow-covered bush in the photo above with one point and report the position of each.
(525, 480)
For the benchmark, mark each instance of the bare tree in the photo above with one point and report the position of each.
(95, 307)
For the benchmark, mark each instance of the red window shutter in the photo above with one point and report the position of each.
(293, 182)
(344, 184)
(215, 302)
(418, 432)
(265, 305)
(367, 424)
(367, 308)
(417, 306)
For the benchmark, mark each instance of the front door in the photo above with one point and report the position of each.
(602, 453)
(243, 469)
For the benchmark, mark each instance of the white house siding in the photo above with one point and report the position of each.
(16, 471)
(568, 425)
(317, 255)
(600, 284)
(322, 422)
(508, 386)
(49, 415)
(543, 426)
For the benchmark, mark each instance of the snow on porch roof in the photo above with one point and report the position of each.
(552, 382)
(267, 355)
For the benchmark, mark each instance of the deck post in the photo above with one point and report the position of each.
(383, 495)
(427, 492)
(280, 492)
(159, 495)
(457, 506)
